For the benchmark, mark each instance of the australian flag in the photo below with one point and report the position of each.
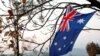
(70, 27)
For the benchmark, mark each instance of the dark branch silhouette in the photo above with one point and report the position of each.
(94, 3)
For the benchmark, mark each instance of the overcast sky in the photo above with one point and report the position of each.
(85, 36)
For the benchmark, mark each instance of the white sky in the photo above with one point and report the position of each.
(85, 36)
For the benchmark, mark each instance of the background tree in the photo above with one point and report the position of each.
(31, 16)
(93, 49)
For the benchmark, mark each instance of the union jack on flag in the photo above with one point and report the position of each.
(70, 27)
(68, 16)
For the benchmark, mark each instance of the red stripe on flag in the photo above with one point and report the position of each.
(67, 18)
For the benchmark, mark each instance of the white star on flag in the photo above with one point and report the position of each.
(64, 37)
(55, 43)
(59, 49)
(80, 21)
(71, 42)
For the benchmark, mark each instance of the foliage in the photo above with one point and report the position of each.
(93, 49)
